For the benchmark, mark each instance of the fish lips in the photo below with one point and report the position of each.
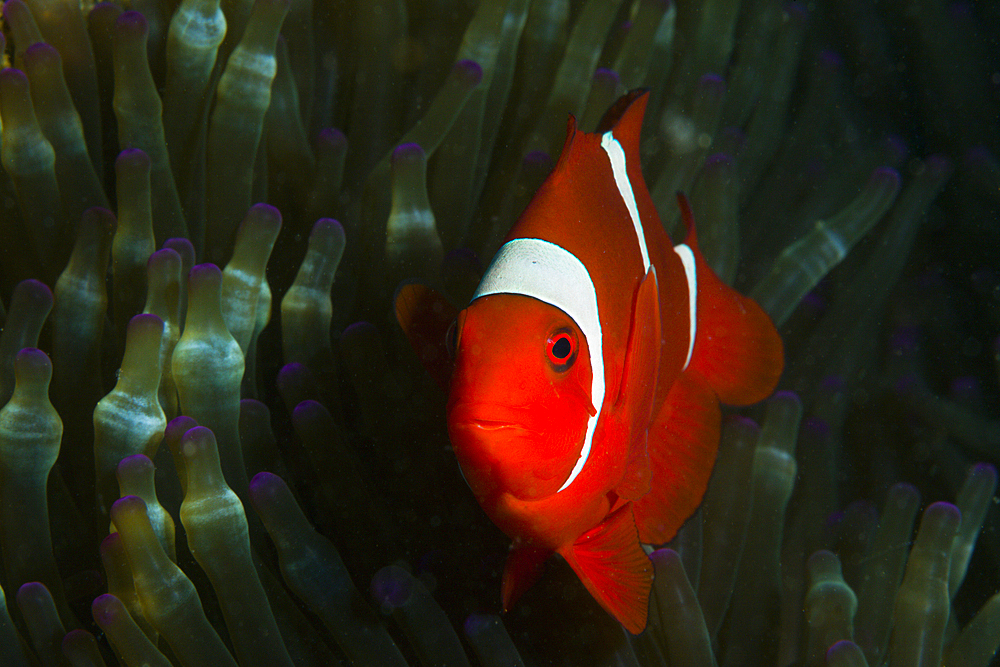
(501, 451)
(487, 416)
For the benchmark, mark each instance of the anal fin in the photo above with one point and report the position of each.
(614, 568)
(683, 442)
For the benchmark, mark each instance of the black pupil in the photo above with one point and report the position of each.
(561, 347)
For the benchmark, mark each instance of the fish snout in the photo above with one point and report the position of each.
(487, 415)
(479, 432)
(499, 449)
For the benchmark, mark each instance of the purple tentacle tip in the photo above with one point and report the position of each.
(605, 75)
(740, 421)
(265, 210)
(103, 608)
(965, 387)
(326, 225)
(476, 623)
(135, 464)
(133, 22)
(797, 11)
(133, 158)
(472, 71)
(814, 300)
(308, 409)
(203, 275)
(816, 428)
(720, 161)
(942, 508)
(664, 557)
(843, 647)
(987, 470)
(391, 587)
(830, 61)
(408, 152)
(905, 340)
(10, 76)
(832, 383)
(713, 83)
(265, 484)
(887, 176)
(111, 541)
(293, 372)
(359, 329)
(332, 136)
(538, 159)
(41, 52)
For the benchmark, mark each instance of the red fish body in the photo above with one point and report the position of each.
(588, 370)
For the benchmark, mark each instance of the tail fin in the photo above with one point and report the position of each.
(737, 349)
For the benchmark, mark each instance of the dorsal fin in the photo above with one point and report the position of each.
(627, 110)
(687, 217)
(624, 119)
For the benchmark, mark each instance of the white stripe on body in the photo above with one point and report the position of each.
(620, 172)
(618, 168)
(690, 271)
(553, 275)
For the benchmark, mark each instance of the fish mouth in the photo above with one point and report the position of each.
(485, 425)
(481, 418)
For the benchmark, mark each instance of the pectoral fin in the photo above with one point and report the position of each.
(638, 387)
(425, 315)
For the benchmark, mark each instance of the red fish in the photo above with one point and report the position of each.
(588, 370)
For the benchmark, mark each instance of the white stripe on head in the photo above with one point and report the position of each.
(553, 275)
(690, 271)
(620, 172)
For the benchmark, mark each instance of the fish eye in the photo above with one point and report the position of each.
(561, 349)
(451, 338)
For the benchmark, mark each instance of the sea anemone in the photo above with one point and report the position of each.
(321, 153)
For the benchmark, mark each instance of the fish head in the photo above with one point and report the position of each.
(520, 401)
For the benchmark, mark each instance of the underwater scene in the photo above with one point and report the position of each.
(218, 446)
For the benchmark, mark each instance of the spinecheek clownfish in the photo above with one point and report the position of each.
(588, 368)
